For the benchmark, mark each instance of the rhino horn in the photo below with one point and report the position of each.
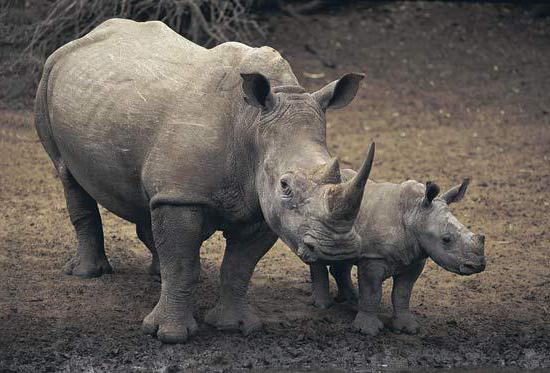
(345, 199)
(328, 173)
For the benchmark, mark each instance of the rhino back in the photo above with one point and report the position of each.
(379, 222)
(130, 96)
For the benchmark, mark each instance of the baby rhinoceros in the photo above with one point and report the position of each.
(401, 225)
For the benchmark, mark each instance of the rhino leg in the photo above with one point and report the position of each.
(90, 260)
(145, 234)
(320, 286)
(403, 320)
(371, 276)
(342, 274)
(177, 232)
(233, 312)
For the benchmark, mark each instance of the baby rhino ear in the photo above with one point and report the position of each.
(456, 193)
(432, 190)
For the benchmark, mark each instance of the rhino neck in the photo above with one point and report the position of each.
(408, 201)
(237, 198)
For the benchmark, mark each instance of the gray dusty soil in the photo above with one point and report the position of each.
(452, 91)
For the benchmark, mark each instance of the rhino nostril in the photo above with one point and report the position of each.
(309, 246)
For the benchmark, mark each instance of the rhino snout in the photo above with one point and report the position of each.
(478, 247)
(338, 248)
(471, 267)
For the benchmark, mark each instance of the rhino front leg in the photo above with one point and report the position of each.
(241, 256)
(90, 260)
(403, 320)
(145, 234)
(320, 286)
(371, 276)
(346, 291)
(177, 232)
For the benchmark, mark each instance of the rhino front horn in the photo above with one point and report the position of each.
(345, 199)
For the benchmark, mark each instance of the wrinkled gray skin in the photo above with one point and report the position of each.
(401, 225)
(183, 141)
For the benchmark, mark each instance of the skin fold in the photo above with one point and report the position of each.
(183, 141)
(401, 226)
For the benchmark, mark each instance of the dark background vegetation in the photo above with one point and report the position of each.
(32, 29)
(452, 90)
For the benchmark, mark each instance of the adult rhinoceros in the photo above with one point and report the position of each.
(183, 141)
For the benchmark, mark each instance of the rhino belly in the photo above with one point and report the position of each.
(108, 171)
(103, 146)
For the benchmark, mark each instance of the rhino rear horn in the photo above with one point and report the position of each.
(328, 173)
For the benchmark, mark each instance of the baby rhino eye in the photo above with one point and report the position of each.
(446, 238)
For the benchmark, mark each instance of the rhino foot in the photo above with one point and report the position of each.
(368, 324)
(170, 324)
(322, 302)
(233, 318)
(405, 323)
(154, 268)
(349, 296)
(77, 266)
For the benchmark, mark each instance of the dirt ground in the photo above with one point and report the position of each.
(452, 91)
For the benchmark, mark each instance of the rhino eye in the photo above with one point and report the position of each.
(446, 238)
(285, 187)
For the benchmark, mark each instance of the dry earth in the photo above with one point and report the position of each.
(452, 91)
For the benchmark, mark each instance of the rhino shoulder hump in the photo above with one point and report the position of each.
(269, 62)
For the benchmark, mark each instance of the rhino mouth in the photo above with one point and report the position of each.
(471, 267)
(333, 250)
(307, 254)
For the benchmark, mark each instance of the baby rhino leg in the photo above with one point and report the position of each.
(320, 286)
(372, 274)
(342, 274)
(403, 320)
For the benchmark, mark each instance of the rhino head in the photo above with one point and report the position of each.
(447, 241)
(300, 191)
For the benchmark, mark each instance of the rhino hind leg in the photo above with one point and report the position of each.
(145, 234)
(90, 260)
(233, 312)
(346, 291)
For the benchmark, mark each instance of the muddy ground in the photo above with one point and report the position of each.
(452, 91)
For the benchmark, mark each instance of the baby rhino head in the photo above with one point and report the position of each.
(447, 241)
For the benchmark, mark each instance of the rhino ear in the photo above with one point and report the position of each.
(339, 93)
(432, 190)
(257, 90)
(456, 193)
